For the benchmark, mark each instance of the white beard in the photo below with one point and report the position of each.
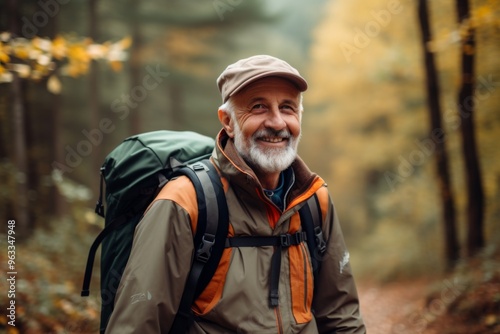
(270, 160)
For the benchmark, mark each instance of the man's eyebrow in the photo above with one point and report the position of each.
(256, 99)
(285, 101)
(288, 101)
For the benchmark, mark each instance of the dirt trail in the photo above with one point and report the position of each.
(393, 308)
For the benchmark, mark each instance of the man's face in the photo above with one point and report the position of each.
(265, 124)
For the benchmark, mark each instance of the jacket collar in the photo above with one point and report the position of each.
(236, 170)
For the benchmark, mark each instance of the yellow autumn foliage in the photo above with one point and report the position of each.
(368, 118)
(38, 58)
(59, 48)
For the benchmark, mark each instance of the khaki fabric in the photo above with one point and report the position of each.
(236, 300)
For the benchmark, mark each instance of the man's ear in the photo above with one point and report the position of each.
(227, 122)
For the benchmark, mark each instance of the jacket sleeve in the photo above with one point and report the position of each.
(335, 302)
(153, 281)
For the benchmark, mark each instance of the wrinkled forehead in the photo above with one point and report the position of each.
(272, 88)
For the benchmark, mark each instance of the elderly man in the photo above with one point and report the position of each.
(265, 184)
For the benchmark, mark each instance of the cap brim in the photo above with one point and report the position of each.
(298, 81)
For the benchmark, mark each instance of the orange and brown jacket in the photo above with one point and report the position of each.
(236, 299)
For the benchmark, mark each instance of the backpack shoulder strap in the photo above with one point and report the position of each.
(311, 219)
(181, 191)
(209, 239)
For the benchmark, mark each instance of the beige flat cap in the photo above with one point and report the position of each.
(244, 71)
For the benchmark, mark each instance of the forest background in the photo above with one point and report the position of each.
(77, 77)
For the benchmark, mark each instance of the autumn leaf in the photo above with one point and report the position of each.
(116, 65)
(125, 43)
(59, 48)
(12, 330)
(66, 306)
(116, 52)
(4, 57)
(54, 85)
(97, 51)
(23, 70)
(78, 53)
(5, 76)
(20, 49)
(42, 44)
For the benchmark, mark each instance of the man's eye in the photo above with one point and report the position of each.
(258, 106)
(288, 107)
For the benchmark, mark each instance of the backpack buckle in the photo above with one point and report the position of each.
(285, 240)
(205, 250)
(320, 240)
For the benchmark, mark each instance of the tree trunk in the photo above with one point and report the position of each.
(475, 195)
(35, 203)
(94, 100)
(56, 148)
(442, 166)
(6, 182)
(20, 203)
(135, 66)
(20, 158)
(58, 207)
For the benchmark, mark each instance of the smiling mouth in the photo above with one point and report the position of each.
(273, 139)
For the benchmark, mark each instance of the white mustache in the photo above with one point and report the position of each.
(270, 133)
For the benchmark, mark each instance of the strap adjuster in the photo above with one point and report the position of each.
(198, 166)
(273, 298)
(300, 237)
(320, 240)
(205, 250)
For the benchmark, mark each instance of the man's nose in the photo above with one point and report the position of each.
(275, 119)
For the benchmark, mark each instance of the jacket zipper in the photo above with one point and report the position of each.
(287, 191)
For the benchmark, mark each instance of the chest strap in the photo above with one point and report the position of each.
(280, 242)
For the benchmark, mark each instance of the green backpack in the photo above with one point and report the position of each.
(134, 173)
